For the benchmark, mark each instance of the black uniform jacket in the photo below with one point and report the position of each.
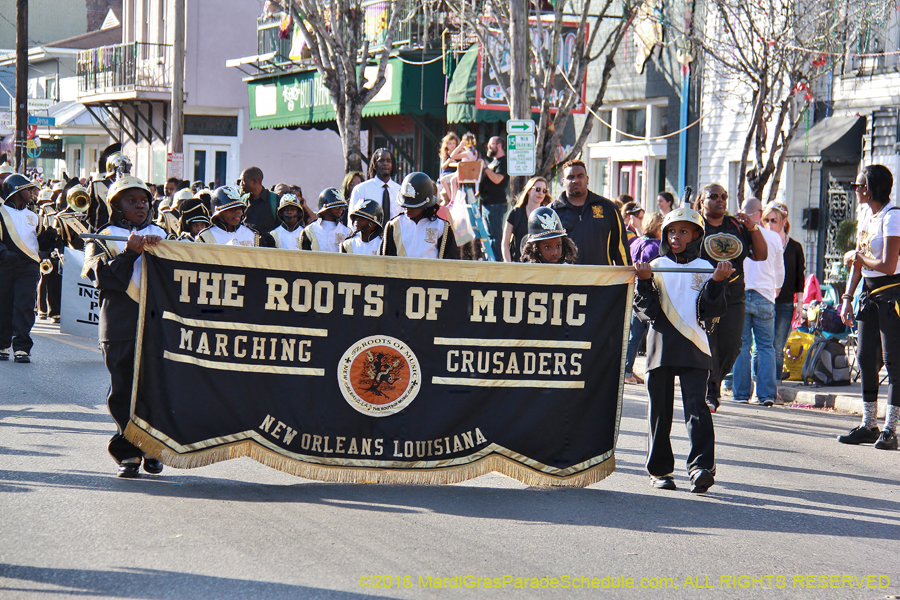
(666, 346)
(596, 228)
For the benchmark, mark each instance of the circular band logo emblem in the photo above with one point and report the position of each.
(723, 246)
(379, 376)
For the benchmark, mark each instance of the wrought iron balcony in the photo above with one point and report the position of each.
(418, 27)
(132, 67)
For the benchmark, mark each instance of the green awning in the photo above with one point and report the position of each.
(461, 93)
(302, 100)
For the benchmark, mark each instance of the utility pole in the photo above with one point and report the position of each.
(520, 72)
(178, 81)
(21, 83)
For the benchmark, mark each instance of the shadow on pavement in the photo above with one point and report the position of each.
(153, 584)
(726, 507)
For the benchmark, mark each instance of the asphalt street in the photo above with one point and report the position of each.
(793, 514)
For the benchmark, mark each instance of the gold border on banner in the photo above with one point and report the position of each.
(392, 267)
(242, 367)
(522, 383)
(170, 316)
(504, 343)
(491, 458)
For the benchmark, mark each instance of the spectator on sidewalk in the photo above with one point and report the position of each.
(735, 239)
(789, 302)
(493, 191)
(591, 221)
(874, 261)
(762, 283)
(643, 249)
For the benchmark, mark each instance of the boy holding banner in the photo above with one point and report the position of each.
(677, 305)
(115, 269)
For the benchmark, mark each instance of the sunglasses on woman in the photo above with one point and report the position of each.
(856, 186)
(714, 196)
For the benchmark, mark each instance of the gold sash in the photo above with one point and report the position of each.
(676, 319)
(14, 235)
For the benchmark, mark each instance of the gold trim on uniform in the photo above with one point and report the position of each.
(14, 234)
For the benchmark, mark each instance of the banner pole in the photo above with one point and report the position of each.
(119, 238)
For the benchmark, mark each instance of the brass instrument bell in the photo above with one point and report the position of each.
(78, 199)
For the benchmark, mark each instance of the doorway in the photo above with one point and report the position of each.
(631, 180)
(209, 164)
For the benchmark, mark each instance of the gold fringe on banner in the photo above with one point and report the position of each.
(337, 474)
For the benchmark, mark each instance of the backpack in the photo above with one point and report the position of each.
(826, 364)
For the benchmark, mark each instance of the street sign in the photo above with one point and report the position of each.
(42, 121)
(520, 126)
(40, 103)
(520, 159)
(175, 165)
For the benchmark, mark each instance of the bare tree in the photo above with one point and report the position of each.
(555, 80)
(335, 33)
(778, 49)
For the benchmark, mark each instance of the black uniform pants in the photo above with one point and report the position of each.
(878, 332)
(725, 344)
(50, 291)
(18, 292)
(697, 419)
(119, 359)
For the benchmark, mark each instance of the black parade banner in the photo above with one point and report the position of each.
(352, 368)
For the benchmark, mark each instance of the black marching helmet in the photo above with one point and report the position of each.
(289, 200)
(417, 191)
(331, 198)
(193, 211)
(14, 184)
(224, 198)
(368, 209)
(544, 224)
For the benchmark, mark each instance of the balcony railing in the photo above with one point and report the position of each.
(136, 66)
(418, 27)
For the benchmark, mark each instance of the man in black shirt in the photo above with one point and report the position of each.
(591, 221)
(262, 204)
(493, 189)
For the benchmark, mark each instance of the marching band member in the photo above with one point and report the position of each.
(74, 220)
(547, 240)
(676, 305)
(287, 235)
(50, 286)
(419, 232)
(117, 165)
(327, 233)
(366, 219)
(23, 243)
(227, 228)
(194, 219)
(115, 269)
(169, 215)
(5, 171)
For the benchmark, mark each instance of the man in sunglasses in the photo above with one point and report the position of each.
(732, 238)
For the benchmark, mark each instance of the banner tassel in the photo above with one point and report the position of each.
(336, 474)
